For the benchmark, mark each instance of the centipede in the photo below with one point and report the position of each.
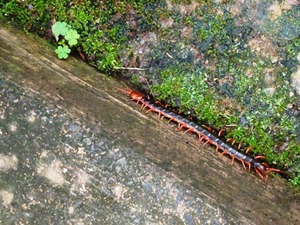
(205, 134)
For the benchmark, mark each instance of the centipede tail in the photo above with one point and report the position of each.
(206, 135)
(134, 95)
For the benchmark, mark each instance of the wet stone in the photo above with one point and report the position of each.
(295, 80)
(87, 141)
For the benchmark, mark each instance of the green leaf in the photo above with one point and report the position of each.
(60, 28)
(62, 52)
(71, 37)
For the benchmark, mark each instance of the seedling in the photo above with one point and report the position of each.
(66, 38)
(62, 51)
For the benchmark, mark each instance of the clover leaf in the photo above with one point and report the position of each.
(72, 36)
(68, 35)
(60, 28)
(62, 52)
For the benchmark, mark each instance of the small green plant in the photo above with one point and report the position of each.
(68, 38)
(62, 51)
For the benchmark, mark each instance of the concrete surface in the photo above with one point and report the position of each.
(74, 150)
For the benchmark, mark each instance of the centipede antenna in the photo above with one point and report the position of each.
(124, 90)
(276, 170)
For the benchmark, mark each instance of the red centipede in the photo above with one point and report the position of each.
(205, 134)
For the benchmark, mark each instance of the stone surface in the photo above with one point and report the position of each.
(295, 80)
(59, 170)
(76, 151)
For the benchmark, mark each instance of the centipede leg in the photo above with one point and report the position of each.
(249, 166)
(223, 153)
(221, 131)
(260, 157)
(233, 141)
(202, 138)
(249, 149)
(171, 119)
(243, 163)
(149, 110)
(266, 165)
(261, 176)
(144, 106)
(208, 128)
(240, 145)
(208, 141)
(189, 130)
(233, 158)
(179, 127)
(159, 116)
(199, 135)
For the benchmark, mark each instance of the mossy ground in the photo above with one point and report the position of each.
(227, 65)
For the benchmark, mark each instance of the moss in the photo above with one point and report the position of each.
(284, 27)
(233, 71)
(21, 16)
(187, 90)
(290, 53)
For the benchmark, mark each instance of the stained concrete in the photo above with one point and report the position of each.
(74, 150)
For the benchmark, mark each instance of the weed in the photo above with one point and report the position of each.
(66, 38)
(62, 52)
(60, 28)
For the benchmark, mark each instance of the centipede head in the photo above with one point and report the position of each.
(263, 170)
